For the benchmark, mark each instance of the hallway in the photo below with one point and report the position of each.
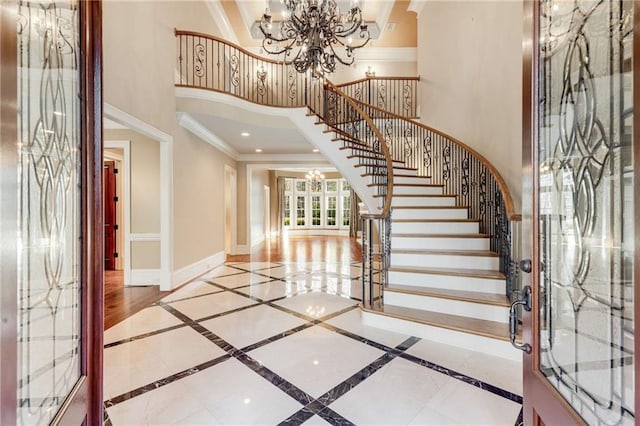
(281, 342)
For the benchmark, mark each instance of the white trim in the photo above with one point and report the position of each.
(126, 202)
(416, 6)
(245, 12)
(222, 21)
(144, 237)
(189, 272)
(112, 125)
(383, 17)
(194, 126)
(281, 157)
(166, 185)
(233, 245)
(144, 277)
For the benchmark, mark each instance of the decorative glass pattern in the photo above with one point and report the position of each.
(586, 213)
(49, 294)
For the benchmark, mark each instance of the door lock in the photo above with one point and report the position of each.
(525, 302)
(525, 265)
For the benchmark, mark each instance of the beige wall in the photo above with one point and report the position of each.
(382, 69)
(140, 55)
(469, 60)
(144, 189)
(198, 184)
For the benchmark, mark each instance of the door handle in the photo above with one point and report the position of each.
(525, 265)
(525, 302)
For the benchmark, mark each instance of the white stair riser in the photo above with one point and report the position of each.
(403, 171)
(443, 213)
(449, 282)
(417, 190)
(407, 179)
(472, 342)
(423, 201)
(448, 306)
(434, 227)
(484, 263)
(435, 243)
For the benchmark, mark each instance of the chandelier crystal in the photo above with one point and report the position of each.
(314, 34)
(314, 175)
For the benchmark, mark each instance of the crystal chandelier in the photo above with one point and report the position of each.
(314, 175)
(318, 31)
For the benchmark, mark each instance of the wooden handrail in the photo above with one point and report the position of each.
(362, 80)
(386, 209)
(506, 194)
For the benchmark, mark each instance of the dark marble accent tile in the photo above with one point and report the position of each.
(297, 418)
(356, 337)
(407, 343)
(165, 381)
(334, 418)
(106, 420)
(142, 336)
(338, 313)
(464, 378)
(520, 419)
(315, 406)
(233, 311)
(276, 337)
(214, 290)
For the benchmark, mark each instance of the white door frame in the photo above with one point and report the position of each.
(125, 200)
(231, 185)
(166, 186)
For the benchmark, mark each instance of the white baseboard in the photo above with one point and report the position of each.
(189, 272)
(317, 232)
(144, 277)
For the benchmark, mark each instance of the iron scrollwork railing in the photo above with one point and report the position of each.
(210, 63)
(463, 172)
(393, 94)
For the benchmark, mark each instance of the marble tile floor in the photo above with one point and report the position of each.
(283, 343)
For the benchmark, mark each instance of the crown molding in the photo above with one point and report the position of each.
(222, 21)
(192, 125)
(130, 122)
(383, 17)
(416, 6)
(315, 158)
(369, 54)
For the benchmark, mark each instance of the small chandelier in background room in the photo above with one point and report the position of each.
(322, 35)
(314, 175)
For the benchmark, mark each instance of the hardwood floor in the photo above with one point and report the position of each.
(121, 302)
(321, 248)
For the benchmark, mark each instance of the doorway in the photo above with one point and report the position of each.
(267, 212)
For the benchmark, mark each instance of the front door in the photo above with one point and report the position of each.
(50, 213)
(110, 204)
(580, 203)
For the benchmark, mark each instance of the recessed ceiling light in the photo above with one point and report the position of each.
(316, 150)
(258, 150)
(245, 134)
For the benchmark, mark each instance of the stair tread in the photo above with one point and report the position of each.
(476, 326)
(483, 253)
(441, 235)
(372, 158)
(394, 167)
(411, 185)
(462, 295)
(411, 176)
(472, 273)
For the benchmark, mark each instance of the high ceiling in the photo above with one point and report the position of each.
(397, 26)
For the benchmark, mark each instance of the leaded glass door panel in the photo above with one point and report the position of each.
(582, 365)
(50, 208)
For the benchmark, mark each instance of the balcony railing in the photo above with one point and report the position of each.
(364, 115)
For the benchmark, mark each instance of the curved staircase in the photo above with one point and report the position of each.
(445, 276)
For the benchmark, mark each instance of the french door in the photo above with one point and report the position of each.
(580, 209)
(50, 212)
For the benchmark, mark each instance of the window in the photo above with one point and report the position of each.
(318, 205)
(346, 209)
(332, 210)
(301, 210)
(315, 211)
(286, 221)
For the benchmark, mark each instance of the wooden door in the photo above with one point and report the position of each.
(110, 207)
(51, 213)
(580, 205)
